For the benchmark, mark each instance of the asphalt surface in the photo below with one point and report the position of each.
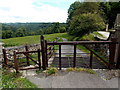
(72, 80)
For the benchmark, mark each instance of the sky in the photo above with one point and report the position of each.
(34, 10)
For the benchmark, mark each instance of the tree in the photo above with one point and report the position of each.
(85, 18)
(72, 8)
(85, 24)
(21, 32)
(55, 28)
(7, 34)
(111, 9)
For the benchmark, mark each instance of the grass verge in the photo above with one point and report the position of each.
(14, 80)
(81, 70)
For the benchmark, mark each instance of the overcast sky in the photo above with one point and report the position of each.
(34, 10)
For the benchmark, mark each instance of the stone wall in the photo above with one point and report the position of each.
(9, 50)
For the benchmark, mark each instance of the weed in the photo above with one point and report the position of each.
(51, 70)
(81, 70)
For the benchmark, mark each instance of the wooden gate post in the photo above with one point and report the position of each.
(118, 58)
(27, 58)
(112, 48)
(43, 53)
(15, 62)
(5, 57)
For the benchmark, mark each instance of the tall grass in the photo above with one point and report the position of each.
(14, 80)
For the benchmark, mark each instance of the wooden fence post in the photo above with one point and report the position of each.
(74, 61)
(15, 62)
(112, 48)
(60, 57)
(5, 57)
(27, 58)
(43, 52)
(39, 60)
(91, 58)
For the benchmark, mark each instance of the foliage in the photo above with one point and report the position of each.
(84, 18)
(14, 80)
(28, 29)
(111, 9)
(7, 34)
(51, 70)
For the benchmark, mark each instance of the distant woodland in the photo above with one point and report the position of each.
(10, 30)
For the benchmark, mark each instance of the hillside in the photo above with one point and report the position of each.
(30, 39)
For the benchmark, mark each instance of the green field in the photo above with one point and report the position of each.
(31, 39)
(36, 39)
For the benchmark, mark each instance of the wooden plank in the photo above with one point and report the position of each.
(60, 57)
(26, 52)
(98, 56)
(27, 68)
(39, 60)
(74, 59)
(91, 58)
(31, 58)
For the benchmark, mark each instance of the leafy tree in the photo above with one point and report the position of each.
(7, 34)
(85, 18)
(62, 29)
(71, 10)
(85, 24)
(55, 28)
(111, 9)
(21, 32)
